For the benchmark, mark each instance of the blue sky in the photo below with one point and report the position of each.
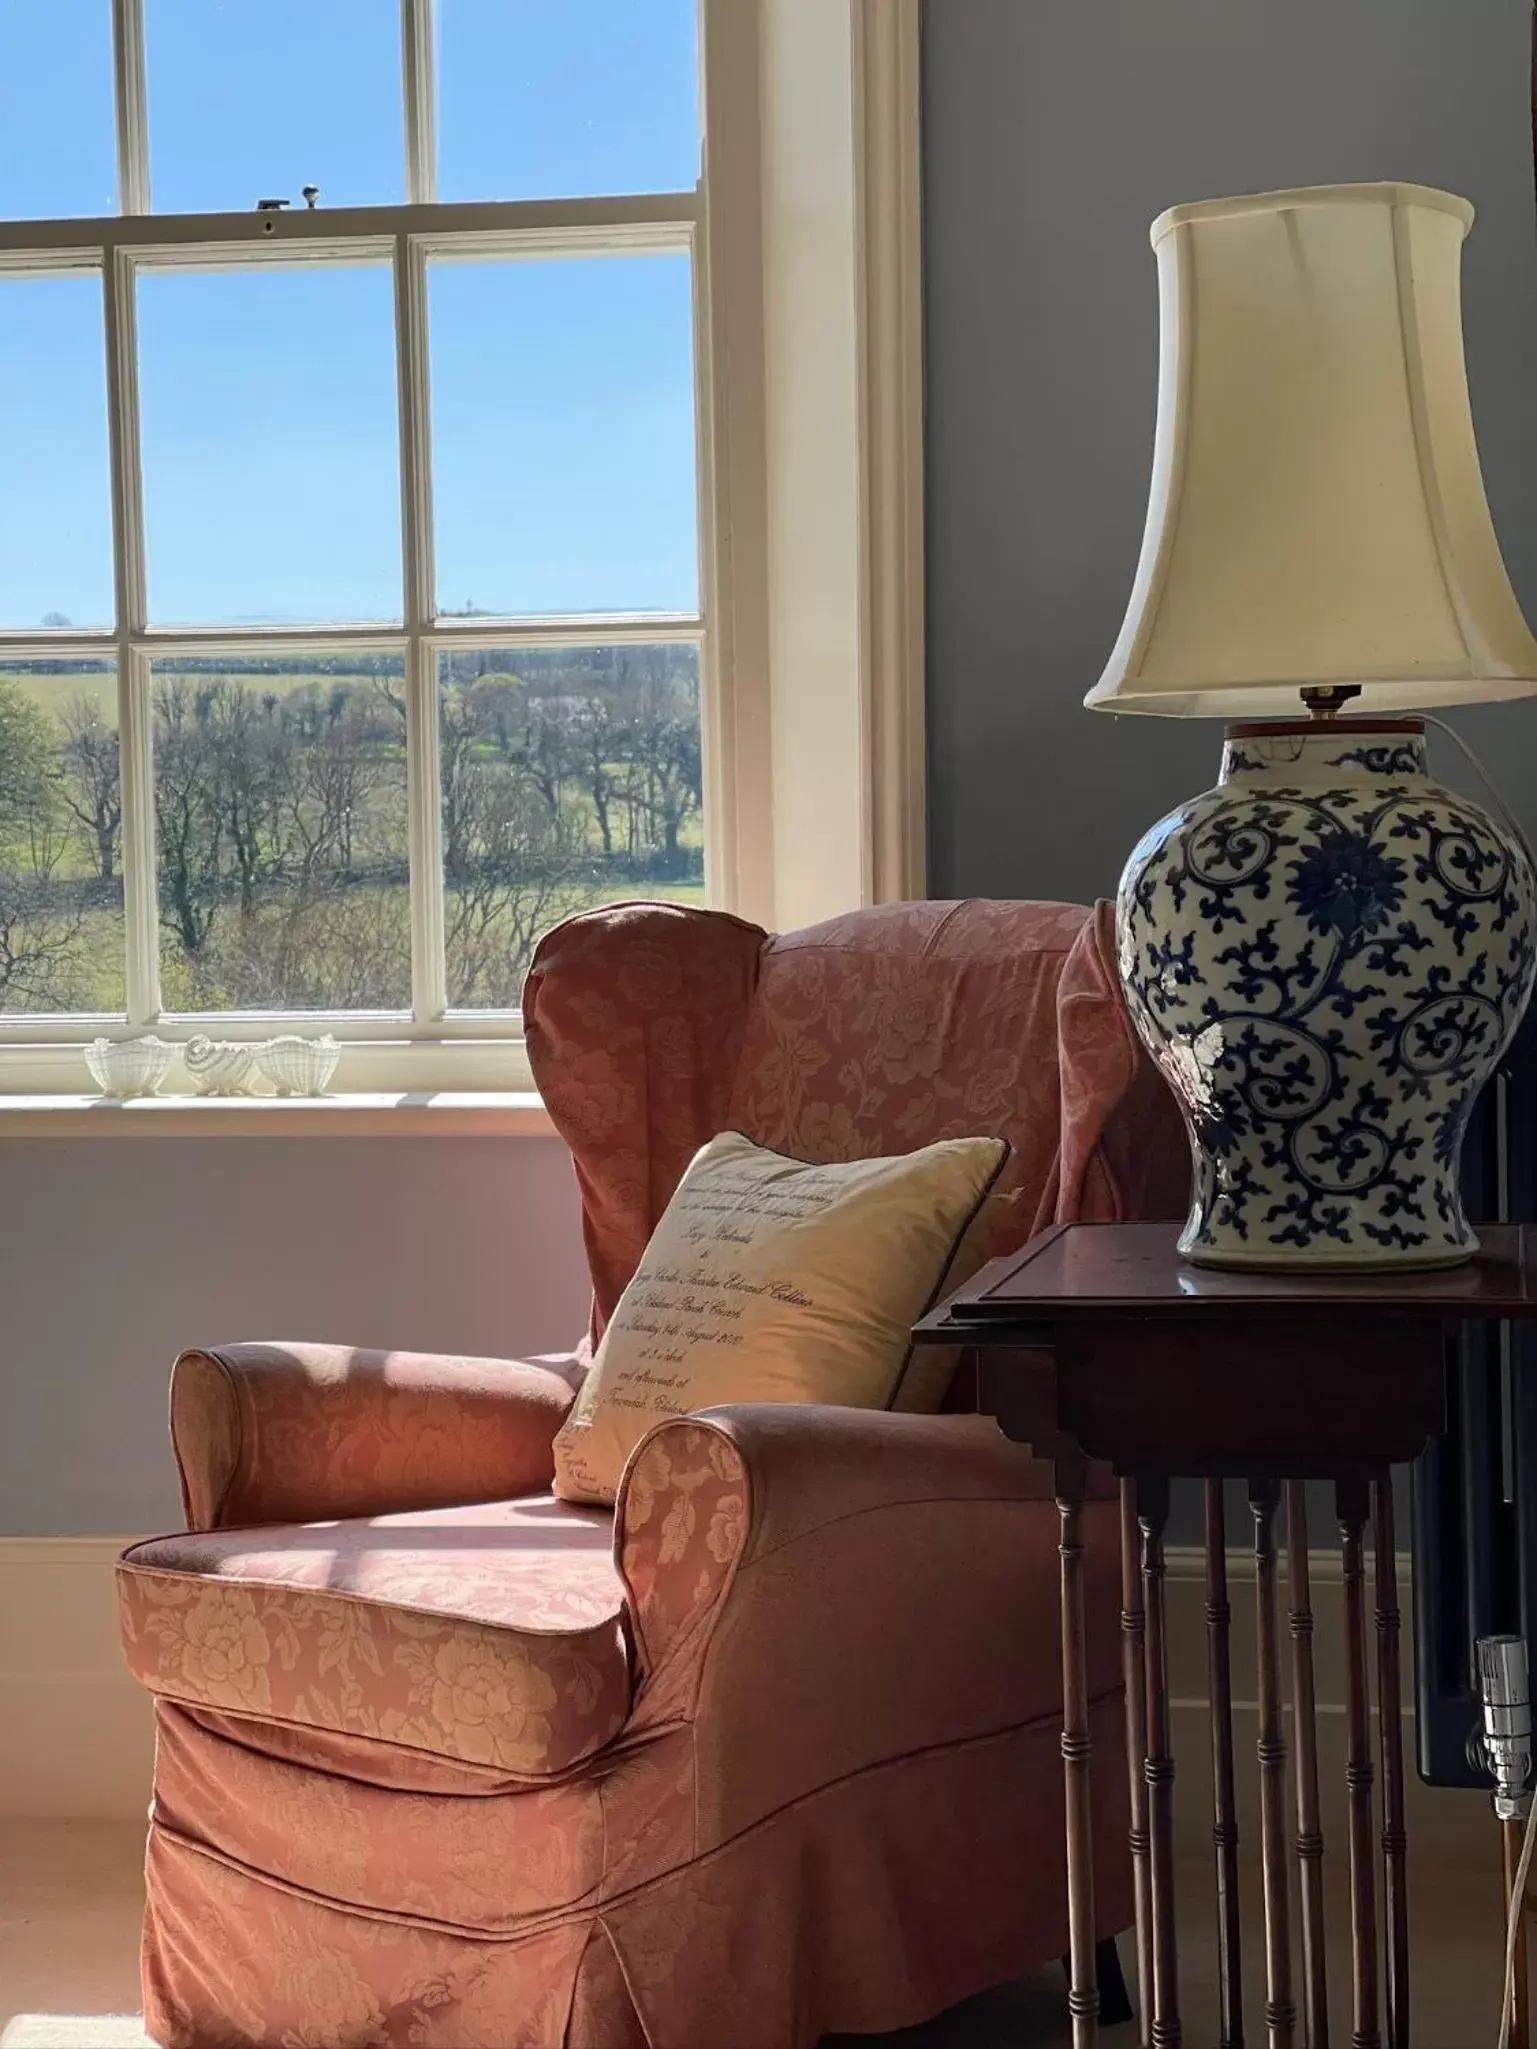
(562, 393)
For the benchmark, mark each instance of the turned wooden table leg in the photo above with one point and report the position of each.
(1351, 1507)
(1134, 1673)
(1083, 1977)
(1224, 1800)
(1390, 1738)
(1152, 1516)
(1280, 2014)
(1310, 1841)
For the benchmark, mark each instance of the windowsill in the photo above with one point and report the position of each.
(437, 1113)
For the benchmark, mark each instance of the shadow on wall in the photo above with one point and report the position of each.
(118, 1252)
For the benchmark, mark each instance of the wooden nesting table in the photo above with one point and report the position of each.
(1098, 1342)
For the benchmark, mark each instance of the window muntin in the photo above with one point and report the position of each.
(257, 655)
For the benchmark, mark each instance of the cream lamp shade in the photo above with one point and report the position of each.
(1317, 515)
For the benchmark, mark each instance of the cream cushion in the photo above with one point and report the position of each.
(768, 1280)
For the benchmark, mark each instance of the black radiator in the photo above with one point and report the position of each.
(1475, 1492)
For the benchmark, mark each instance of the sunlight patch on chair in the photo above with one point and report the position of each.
(74, 2031)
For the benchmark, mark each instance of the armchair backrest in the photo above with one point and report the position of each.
(651, 1027)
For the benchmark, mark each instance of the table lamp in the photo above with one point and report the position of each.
(1327, 954)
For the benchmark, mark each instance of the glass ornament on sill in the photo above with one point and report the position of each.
(129, 1067)
(219, 1067)
(298, 1066)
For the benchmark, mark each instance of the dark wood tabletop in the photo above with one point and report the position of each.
(1083, 1272)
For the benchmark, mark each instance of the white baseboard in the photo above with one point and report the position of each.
(77, 1740)
(78, 1744)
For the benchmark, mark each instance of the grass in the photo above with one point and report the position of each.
(232, 962)
(99, 974)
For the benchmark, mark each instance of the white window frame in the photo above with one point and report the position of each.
(803, 236)
(813, 251)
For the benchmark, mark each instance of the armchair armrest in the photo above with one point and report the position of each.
(290, 1432)
(707, 1494)
(852, 1584)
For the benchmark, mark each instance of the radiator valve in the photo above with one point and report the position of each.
(1505, 1742)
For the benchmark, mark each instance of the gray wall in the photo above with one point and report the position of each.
(1054, 130)
(116, 1252)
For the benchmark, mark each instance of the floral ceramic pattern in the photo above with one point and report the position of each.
(1327, 954)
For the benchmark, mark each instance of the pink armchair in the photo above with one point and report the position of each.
(769, 1752)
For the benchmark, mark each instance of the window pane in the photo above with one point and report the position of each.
(563, 435)
(58, 145)
(270, 422)
(61, 809)
(546, 98)
(55, 491)
(255, 99)
(570, 777)
(280, 811)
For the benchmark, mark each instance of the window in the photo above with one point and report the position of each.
(460, 462)
(352, 623)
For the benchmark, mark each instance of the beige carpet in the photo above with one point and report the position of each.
(70, 1896)
(69, 1911)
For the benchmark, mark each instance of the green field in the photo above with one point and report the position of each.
(568, 779)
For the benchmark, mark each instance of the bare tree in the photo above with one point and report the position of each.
(324, 950)
(39, 945)
(92, 782)
(188, 828)
(29, 806)
(544, 748)
(600, 751)
(515, 869)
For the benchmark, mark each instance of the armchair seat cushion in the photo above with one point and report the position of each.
(491, 1635)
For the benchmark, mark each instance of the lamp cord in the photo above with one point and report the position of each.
(1487, 780)
(1516, 1908)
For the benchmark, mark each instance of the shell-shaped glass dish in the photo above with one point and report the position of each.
(219, 1067)
(297, 1066)
(129, 1067)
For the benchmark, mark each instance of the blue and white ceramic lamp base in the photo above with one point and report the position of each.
(1326, 956)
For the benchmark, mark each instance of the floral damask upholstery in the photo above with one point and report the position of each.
(653, 1027)
(266, 1434)
(771, 1750)
(493, 1634)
